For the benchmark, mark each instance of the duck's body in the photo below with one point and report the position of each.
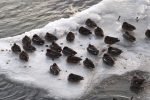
(108, 59)
(68, 51)
(111, 40)
(73, 59)
(55, 46)
(26, 39)
(88, 63)
(147, 33)
(16, 48)
(53, 54)
(24, 56)
(29, 47)
(70, 37)
(37, 40)
(54, 69)
(92, 49)
(127, 26)
(90, 23)
(99, 32)
(84, 31)
(114, 51)
(129, 36)
(75, 78)
(50, 37)
(137, 82)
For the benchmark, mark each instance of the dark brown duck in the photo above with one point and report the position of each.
(90, 23)
(24, 56)
(70, 37)
(129, 36)
(147, 33)
(55, 46)
(73, 59)
(127, 26)
(114, 51)
(68, 51)
(92, 49)
(108, 59)
(16, 48)
(50, 37)
(88, 63)
(37, 40)
(53, 54)
(54, 69)
(29, 47)
(75, 78)
(99, 32)
(137, 82)
(84, 31)
(111, 40)
(26, 39)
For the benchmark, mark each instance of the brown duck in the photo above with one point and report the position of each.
(88, 63)
(55, 46)
(16, 48)
(129, 36)
(68, 51)
(92, 49)
(84, 31)
(37, 40)
(70, 37)
(53, 54)
(26, 39)
(24, 56)
(147, 33)
(90, 23)
(75, 78)
(127, 26)
(137, 82)
(73, 59)
(99, 32)
(54, 69)
(114, 51)
(50, 37)
(29, 47)
(108, 59)
(111, 40)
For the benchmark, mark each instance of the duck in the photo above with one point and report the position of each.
(55, 46)
(29, 47)
(24, 56)
(88, 63)
(147, 33)
(70, 37)
(26, 39)
(90, 23)
(16, 48)
(50, 37)
(111, 40)
(37, 40)
(84, 31)
(53, 54)
(114, 51)
(137, 82)
(127, 26)
(99, 32)
(108, 59)
(75, 78)
(68, 51)
(129, 36)
(73, 59)
(92, 49)
(54, 69)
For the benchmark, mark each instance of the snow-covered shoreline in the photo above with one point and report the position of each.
(105, 14)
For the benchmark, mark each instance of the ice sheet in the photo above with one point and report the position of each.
(105, 14)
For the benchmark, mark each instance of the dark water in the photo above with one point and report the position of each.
(19, 16)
